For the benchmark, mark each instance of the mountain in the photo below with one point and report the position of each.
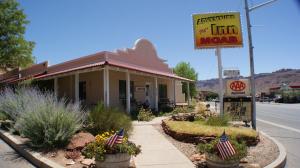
(263, 81)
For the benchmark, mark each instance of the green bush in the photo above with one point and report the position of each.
(212, 151)
(41, 117)
(3, 116)
(101, 119)
(145, 115)
(218, 120)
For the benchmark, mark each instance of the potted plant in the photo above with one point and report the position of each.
(111, 150)
(219, 156)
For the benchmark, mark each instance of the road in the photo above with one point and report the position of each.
(282, 121)
(10, 159)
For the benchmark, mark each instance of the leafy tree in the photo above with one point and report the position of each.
(15, 51)
(185, 70)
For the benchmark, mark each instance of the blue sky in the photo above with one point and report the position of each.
(68, 29)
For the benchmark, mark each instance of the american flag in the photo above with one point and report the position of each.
(117, 138)
(225, 148)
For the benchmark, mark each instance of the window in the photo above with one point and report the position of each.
(162, 92)
(122, 90)
(82, 90)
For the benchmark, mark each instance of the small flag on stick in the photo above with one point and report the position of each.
(225, 148)
(117, 138)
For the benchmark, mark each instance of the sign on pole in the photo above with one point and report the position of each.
(231, 73)
(236, 88)
(217, 30)
(239, 108)
(212, 30)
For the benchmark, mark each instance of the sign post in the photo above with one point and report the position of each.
(218, 54)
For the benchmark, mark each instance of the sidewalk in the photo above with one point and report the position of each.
(157, 151)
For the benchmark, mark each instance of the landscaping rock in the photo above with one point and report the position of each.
(184, 117)
(80, 140)
(197, 157)
(88, 162)
(70, 162)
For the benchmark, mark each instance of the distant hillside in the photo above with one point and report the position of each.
(263, 81)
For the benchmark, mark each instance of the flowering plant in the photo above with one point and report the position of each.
(99, 147)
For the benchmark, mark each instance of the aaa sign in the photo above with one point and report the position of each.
(214, 30)
(238, 88)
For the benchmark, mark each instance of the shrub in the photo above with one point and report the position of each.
(41, 117)
(98, 148)
(212, 151)
(3, 116)
(145, 115)
(218, 120)
(101, 119)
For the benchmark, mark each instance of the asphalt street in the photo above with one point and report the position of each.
(10, 159)
(282, 121)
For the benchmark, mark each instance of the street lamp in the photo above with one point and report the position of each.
(252, 81)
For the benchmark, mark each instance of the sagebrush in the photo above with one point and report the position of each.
(41, 117)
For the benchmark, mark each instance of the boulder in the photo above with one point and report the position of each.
(80, 140)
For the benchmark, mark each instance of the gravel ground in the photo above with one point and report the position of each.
(260, 155)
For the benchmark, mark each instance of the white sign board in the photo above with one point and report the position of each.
(231, 73)
(238, 87)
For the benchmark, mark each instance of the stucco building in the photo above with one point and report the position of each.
(121, 78)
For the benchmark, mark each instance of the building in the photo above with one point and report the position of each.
(292, 89)
(121, 79)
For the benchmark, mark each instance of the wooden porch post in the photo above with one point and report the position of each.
(174, 90)
(76, 84)
(156, 94)
(127, 92)
(106, 86)
(188, 92)
(56, 87)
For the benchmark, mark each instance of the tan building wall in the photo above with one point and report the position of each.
(66, 87)
(180, 97)
(94, 86)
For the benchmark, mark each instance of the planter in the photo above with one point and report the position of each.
(120, 160)
(213, 162)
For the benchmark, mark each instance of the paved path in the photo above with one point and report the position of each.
(157, 151)
(10, 159)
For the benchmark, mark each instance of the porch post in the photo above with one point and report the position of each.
(174, 90)
(56, 87)
(106, 86)
(76, 87)
(127, 92)
(188, 92)
(156, 94)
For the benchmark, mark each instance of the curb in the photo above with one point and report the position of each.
(281, 159)
(33, 157)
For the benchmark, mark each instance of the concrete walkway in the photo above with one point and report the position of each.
(157, 151)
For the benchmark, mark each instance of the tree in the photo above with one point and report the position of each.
(15, 51)
(185, 70)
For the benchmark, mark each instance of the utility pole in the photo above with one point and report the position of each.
(252, 80)
(220, 69)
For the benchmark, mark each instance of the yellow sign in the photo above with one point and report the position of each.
(214, 30)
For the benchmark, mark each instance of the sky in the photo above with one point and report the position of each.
(68, 29)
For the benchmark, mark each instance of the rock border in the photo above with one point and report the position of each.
(33, 157)
(281, 159)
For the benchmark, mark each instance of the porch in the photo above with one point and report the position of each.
(118, 87)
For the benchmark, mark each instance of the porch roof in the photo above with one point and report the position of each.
(142, 58)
